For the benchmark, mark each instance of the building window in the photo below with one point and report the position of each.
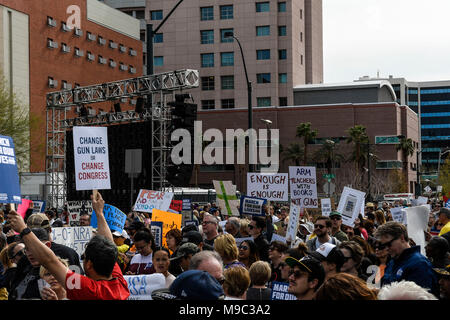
(282, 31)
(263, 102)
(208, 83)
(101, 41)
(122, 48)
(64, 27)
(301, 36)
(301, 13)
(394, 164)
(158, 38)
(206, 13)
(226, 12)
(90, 56)
(263, 31)
(282, 101)
(227, 82)
(158, 61)
(52, 83)
(65, 85)
(51, 22)
(78, 52)
(132, 52)
(156, 15)
(227, 103)
(208, 104)
(262, 6)
(282, 54)
(263, 77)
(282, 77)
(65, 48)
(112, 44)
(226, 59)
(52, 44)
(140, 14)
(222, 35)
(301, 59)
(206, 36)
(281, 6)
(263, 54)
(112, 63)
(207, 60)
(90, 36)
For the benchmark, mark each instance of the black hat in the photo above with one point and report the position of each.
(192, 236)
(310, 265)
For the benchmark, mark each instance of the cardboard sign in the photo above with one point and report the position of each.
(326, 206)
(399, 215)
(148, 200)
(186, 212)
(422, 200)
(186, 204)
(76, 238)
(38, 206)
(157, 229)
(273, 187)
(170, 221)
(277, 237)
(24, 206)
(417, 223)
(9, 175)
(142, 286)
(294, 216)
(302, 181)
(76, 208)
(350, 205)
(280, 291)
(176, 205)
(226, 197)
(253, 206)
(90, 148)
(113, 216)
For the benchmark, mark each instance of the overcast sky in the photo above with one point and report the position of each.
(403, 38)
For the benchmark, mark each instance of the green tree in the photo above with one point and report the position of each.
(360, 140)
(444, 177)
(304, 131)
(406, 145)
(327, 153)
(294, 152)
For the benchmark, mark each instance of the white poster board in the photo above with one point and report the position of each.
(417, 223)
(90, 148)
(421, 201)
(350, 205)
(76, 238)
(226, 197)
(294, 216)
(142, 286)
(399, 215)
(303, 184)
(147, 200)
(326, 206)
(273, 187)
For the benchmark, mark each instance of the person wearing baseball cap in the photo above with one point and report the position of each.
(305, 277)
(444, 282)
(331, 258)
(336, 222)
(184, 254)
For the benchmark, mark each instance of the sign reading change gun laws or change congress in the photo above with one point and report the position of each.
(273, 187)
(302, 181)
(9, 176)
(90, 149)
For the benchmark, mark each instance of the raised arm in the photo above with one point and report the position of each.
(102, 226)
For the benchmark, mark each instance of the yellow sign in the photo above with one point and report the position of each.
(170, 221)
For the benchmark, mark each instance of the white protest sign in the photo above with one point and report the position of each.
(277, 237)
(302, 181)
(350, 205)
(148, 200)
(142, 286)
(399, 215)
(90, 148)
(326, 206)
(76, 238)
(226, 197)
(421, 201)
(273, 187)
(417, 223)
(294, 216)
(75, 208)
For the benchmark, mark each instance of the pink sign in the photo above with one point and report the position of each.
(24, 206)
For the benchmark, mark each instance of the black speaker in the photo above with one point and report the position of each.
(139, 105)
(117, 107)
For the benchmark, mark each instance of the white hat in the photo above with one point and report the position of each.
(324, 249)
(309, 226)
(122, 234)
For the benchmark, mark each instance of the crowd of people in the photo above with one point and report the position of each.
(229, 258)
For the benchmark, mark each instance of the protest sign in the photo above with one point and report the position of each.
(302, 181)
(326, 206)
(90, 148)
(294, 216)
(76, 238)
(24, 206)
(253, 206)
(273, 187)
(113, 216)
(76, 208)
(186, 212)
(189, 222)
(280, 291)
(350, 205)
(142, 286)
(421, 201)
(447, 204)
(9, 175)
(38, 206)
(186, 204)
(176, 205)
(226, 197)
(399, 215)
(170, 221)
(157, 229)
(148, 200)
(417, 223)
(277, 237)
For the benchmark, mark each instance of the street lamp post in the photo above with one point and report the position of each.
(249, 92)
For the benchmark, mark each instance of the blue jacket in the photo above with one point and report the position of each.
(411, 265)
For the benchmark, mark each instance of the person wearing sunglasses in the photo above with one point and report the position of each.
(407, 262)
(336, 223)
(305, 277)
(322, 228)
(248, 253)
(353, 255)
(255, 228)
(9, 257)
(210, 226)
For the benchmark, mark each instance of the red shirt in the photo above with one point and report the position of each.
(79, 287)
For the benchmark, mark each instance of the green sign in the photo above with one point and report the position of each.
(329, 176)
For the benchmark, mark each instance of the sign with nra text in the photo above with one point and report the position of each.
(90, 148)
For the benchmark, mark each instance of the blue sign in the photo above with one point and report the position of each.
(9, 182)
(252, 205)
(38, 206)
(186, 204)
(113, 216)
(447, 204)
(157, 228)
(280, 291)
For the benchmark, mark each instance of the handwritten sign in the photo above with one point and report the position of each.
(326, 206)
(9, 181)
(280, 291)
(252, 206)
(142, 286)
(294, 216)
(148, 200)
(76, 208)
(76, 238)
(226, 197)
(157, 230)
(113, 216)
(302, 181)
(273, 187)
(90, 146)
(399, 215)
(170, 221)
(186, 211)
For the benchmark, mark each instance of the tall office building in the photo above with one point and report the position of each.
(281, 44)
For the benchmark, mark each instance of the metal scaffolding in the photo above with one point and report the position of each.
(159, 89)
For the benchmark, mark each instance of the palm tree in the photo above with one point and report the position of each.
(293, 152)
(327, 153)
(304, 131)
(360, 140)
(406, 145)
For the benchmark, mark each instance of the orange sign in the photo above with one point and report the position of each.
(170, 221)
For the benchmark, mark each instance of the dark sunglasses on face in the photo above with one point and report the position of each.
(297, 273)
(382, 246)
(243, 248)
(19, 253)
(319, 226)
(346, 259)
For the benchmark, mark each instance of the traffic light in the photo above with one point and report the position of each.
(183, 117)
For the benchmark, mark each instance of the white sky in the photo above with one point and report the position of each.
(403, 38)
